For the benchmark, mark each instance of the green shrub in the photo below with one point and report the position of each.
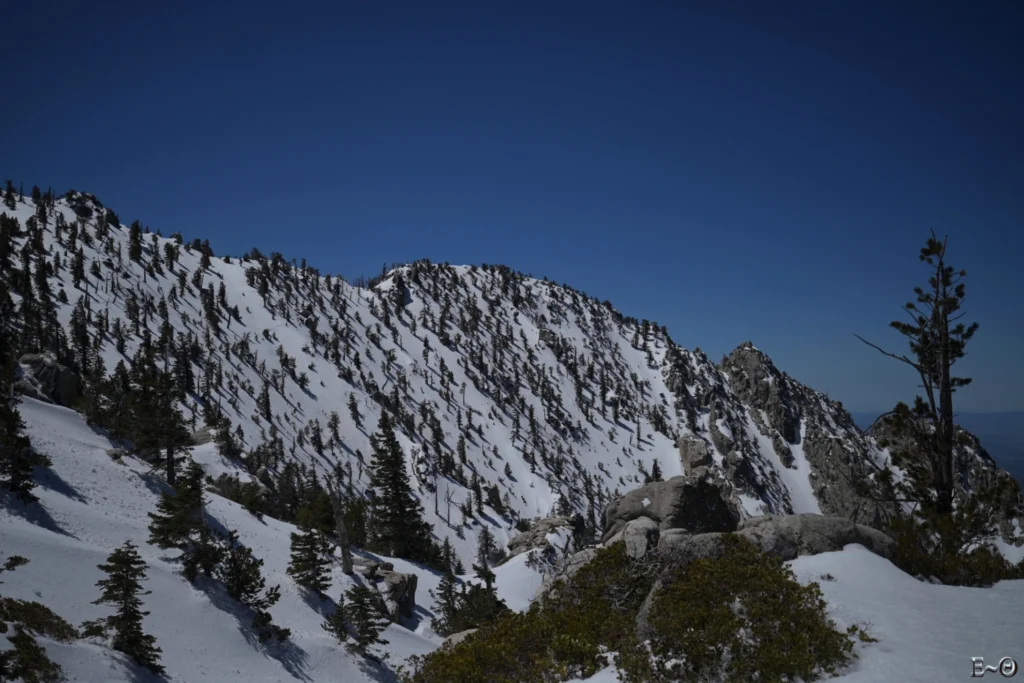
(26, 661)
(36, 618)
(562, 636)
(946, 549)
(741, 617)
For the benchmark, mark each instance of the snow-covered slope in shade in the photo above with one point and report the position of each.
(91, 504)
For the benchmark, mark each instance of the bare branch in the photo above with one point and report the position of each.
(891, 355)
(879, 419)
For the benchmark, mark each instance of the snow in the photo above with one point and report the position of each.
(752, 507)
(1013, 553)
(925, 631)
(796, 479)
(90, 504)
(516, 583)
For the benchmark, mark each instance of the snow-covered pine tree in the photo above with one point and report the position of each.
(125, 571)
(243, 579)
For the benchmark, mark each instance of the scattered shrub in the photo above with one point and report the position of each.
(562, 636)
(741, 617)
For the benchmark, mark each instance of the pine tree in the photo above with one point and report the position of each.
(135, 242)
(9, 200)
(396, 526)
(336, 624)
(310, 561)
(179, 523)
(16, 456)
(353, 410)
(936, 342)
(367, 622)
(655, 474)
(156, 424)
(243, 579)
(264, 402)
(447, 593)
(125, 571)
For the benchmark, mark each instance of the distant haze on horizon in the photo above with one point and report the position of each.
(756, 171)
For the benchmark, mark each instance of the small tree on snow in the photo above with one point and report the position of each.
(336, 624)
(367, 622)
(125, 571)
(310, 561)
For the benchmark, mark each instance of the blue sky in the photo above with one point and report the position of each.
(735, 171)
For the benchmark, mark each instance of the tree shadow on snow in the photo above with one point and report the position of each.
(50, 480)
(136, 673)
(420, 615)
(377, 670)
(289, 655)
(33, 513)
(323, 606)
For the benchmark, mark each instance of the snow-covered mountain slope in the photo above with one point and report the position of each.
(548, 398)
(90, 504)
(553, 399)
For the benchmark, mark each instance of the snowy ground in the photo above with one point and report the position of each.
(90, 504)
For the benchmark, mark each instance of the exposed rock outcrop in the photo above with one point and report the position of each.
(397, 590)
(456, 638)
(45, 378)
(536, 536)
(792, 416)
(695, 502)
(640, 536)
(203, 435)
(693, 452)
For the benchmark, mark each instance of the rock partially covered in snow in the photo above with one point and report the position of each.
(695, 502)
(399, 593)
(48, 380)
(397, 590)
(789, 536)
(456, 638)
(536, 537)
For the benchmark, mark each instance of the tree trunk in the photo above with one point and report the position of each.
(171, 478)
(944, 503)
(341, 531)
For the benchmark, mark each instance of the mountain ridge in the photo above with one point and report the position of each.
(553, 399)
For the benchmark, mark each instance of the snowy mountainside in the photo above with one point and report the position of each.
(90, 504)
(548, 398)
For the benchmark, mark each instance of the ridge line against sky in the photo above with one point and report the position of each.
(744, 172)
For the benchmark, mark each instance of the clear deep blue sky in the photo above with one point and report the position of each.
(747, 170)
